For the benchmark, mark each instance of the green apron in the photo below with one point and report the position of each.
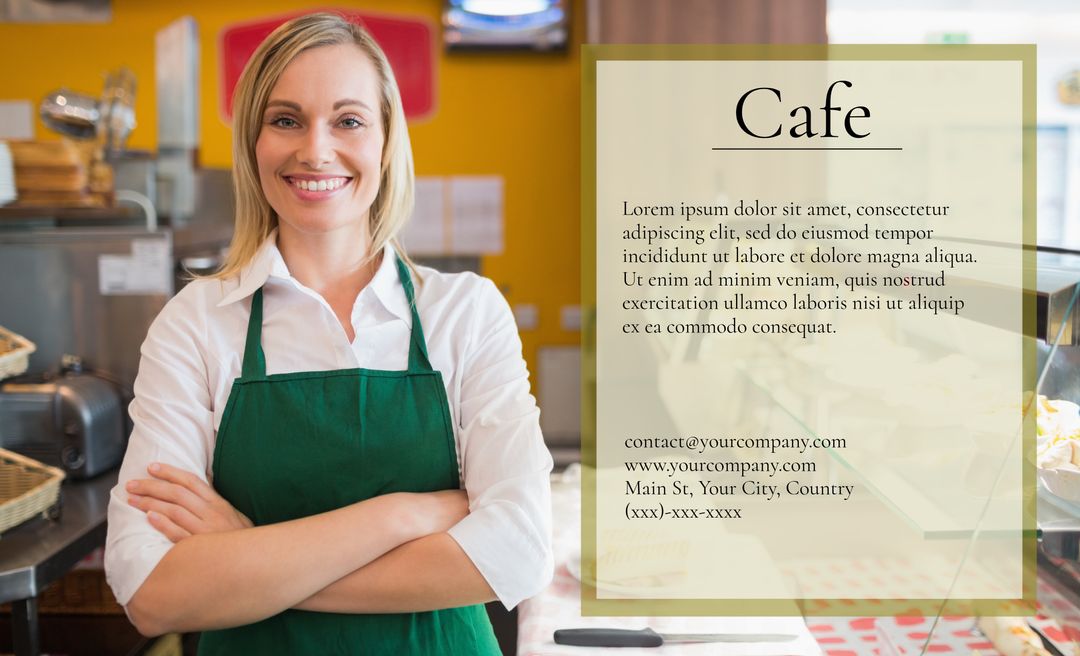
(299, 444)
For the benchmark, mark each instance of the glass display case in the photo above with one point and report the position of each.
(1059, 510)
(934, 465)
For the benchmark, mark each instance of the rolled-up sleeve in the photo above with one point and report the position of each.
(505, 463)
(173, 423)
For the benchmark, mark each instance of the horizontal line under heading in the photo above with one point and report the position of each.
(806, 148)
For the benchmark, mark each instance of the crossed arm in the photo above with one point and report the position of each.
(385, 554)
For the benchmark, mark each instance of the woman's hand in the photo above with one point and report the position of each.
(179, 504)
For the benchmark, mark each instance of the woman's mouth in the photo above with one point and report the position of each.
(317, 189)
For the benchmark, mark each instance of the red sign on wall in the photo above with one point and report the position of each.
(406, 42)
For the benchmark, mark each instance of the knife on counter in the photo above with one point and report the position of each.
(649, 638)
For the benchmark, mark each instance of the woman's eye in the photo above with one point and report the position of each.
(351, 122)
(283, 122)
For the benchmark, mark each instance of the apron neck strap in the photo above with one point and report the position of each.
(254, 359)
(418, 356)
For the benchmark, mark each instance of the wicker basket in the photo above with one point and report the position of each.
(27, 488)
(15, 353)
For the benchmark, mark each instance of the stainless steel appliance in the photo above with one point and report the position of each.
(74, 286)
(74, 422)
(91, 292)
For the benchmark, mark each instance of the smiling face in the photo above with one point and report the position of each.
(320, 146)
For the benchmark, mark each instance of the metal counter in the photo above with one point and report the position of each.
(40, 551)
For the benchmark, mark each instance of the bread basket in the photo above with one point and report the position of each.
(27, 488)
(15, 353)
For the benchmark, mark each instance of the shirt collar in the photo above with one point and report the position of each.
(267, 263)
(386, 285)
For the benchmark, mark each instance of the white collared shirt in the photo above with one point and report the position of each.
(194, 349)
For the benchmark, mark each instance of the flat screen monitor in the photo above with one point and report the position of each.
(539, 25)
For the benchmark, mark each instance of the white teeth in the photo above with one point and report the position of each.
(320, 185)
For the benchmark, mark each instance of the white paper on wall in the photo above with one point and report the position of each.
(148, 270)
(425, 233)
(477, 210)
(16, 119)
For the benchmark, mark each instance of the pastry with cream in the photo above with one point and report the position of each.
(1011, 636)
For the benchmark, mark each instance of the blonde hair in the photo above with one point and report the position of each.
(255, 219)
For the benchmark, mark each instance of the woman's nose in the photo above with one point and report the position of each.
(317, 148)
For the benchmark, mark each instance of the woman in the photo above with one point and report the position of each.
(304, 421)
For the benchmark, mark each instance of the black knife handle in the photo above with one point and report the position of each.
(609, 637)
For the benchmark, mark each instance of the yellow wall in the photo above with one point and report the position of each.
(509, 114)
